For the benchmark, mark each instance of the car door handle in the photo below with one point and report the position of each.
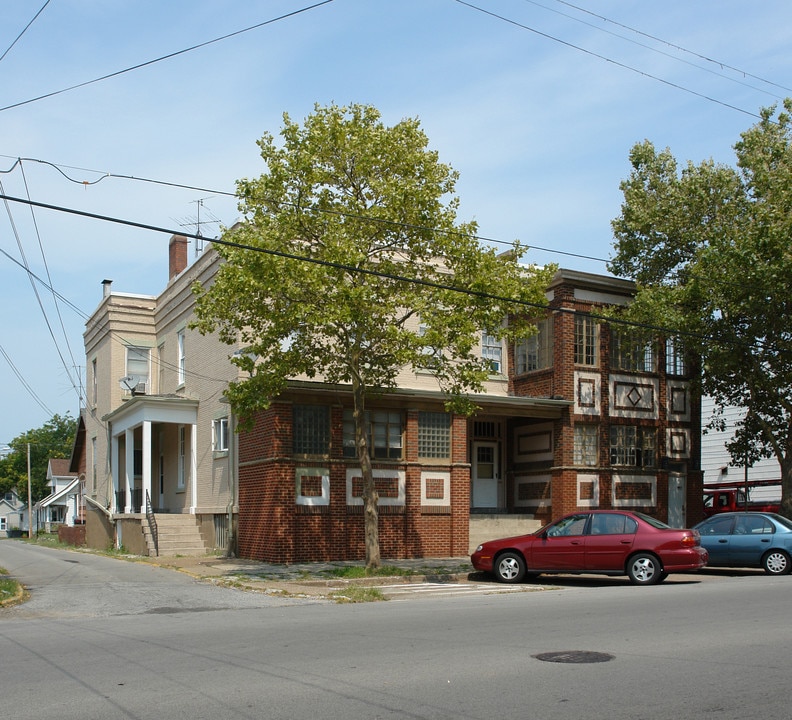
(723, 541)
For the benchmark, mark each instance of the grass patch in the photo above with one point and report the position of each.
(355, 572)
(10, 590)
(358, 594)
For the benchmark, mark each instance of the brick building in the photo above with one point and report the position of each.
(570, 418)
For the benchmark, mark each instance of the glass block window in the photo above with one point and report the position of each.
(586, 449)
(632, 352)
(633, 446)
(586, 340)
(492, 352)
(675, 357)
(311, 430)
(535, 352)
(384, 430)
(434, 435)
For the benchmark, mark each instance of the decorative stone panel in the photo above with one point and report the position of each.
(532, 491)
(533, 443)
(588, 391)
(390, 484)
(588, 490)
(678, 442)
(312, 486)
(678, 401)
(634, 491)
(435, 488)
(634, 397)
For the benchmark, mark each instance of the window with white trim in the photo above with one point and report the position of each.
(632, 351)
(434, 435)
(220, 434)
(384, 432)
(586, 447)
(492, 352)
(676, 363)
(633, 446)
(535, 352)
(137, 364)
(181, 357)
(181, 476)
(586, 340)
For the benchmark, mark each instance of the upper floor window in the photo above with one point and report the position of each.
(633, 446)
(137, 364)
(383, 432)
(94, 383)
(676, 363)
(161, 369)
(586, 340)
(492, 352)
(632, 351)
(535, 352)
(181, 362)
(220, 434)
(310, 429)
(434, 435)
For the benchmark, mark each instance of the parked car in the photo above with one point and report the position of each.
(603, 542)
(748, 539)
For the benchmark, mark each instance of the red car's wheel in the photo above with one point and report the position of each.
(644, 569)
(509, 567)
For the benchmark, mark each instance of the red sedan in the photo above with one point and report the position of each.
(602, 542)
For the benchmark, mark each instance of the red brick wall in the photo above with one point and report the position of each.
(274, 528)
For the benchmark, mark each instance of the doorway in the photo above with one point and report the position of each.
(485, 475)
(677, 490)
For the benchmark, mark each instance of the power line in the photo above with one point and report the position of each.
(24, 30)
(24, 382)
(719, 63)
(653, 49)
(393, 223)
(670, 332)
(605, 58)
(166, 57)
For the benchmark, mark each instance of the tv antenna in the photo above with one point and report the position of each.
(197, 222)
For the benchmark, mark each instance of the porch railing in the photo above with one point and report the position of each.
(152, 523)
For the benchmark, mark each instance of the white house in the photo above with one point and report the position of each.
(62, 505)
(13, 513)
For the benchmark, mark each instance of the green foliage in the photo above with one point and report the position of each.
(54, 439)
(710, 247)
(349, 240)
(371, 209)
(358, 594)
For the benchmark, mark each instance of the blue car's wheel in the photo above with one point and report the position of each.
(776, 562)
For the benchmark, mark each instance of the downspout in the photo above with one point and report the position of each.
(232, 485)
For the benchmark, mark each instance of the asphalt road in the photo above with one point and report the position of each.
(106, 639)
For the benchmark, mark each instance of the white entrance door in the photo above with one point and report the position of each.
(485, 473)
(677, 486)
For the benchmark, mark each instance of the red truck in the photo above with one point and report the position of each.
(728, 497)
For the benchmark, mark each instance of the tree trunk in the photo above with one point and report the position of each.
(370, 496)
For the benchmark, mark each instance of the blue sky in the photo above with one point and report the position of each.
(536, 104)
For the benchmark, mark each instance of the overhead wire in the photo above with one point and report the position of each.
(166, 57)
(720, 63)
(653, 49)
(671, 332)
(24, 30)
(24, 382)
(599, 56)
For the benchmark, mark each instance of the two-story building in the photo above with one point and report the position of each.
(567, 420)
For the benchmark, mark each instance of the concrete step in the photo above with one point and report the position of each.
(176, 535)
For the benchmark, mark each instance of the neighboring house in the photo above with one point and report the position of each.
(564, 423)
(63, 505)
(716, 460)
(13, 513)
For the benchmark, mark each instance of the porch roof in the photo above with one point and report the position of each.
(63, 492)
(152, 408)
(501, 405)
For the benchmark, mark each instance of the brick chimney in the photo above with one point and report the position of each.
(177, 255)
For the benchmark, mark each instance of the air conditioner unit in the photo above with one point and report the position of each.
(140, 389)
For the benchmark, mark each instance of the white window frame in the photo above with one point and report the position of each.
(586, 341)
(181, 362)
(586, 445)
(492, 352)
(220, 439)
(535, 352)
(137, 363)
(181, 482)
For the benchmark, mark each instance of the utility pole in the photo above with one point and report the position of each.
(30, 497)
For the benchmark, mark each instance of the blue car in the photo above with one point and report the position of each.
(748, 539)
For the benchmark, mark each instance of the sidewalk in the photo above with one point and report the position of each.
(311, 579)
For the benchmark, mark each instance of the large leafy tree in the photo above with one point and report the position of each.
(711, 249)
(349, 266)
(54, 439)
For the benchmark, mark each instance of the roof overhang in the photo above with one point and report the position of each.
(152, 408)
(69, 489)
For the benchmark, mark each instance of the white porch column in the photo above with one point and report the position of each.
(146, 463)
(129, 470)
(193, 468)
(114, 473)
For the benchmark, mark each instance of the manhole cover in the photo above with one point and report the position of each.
(574, 656)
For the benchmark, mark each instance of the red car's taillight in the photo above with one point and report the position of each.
(691, 540)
